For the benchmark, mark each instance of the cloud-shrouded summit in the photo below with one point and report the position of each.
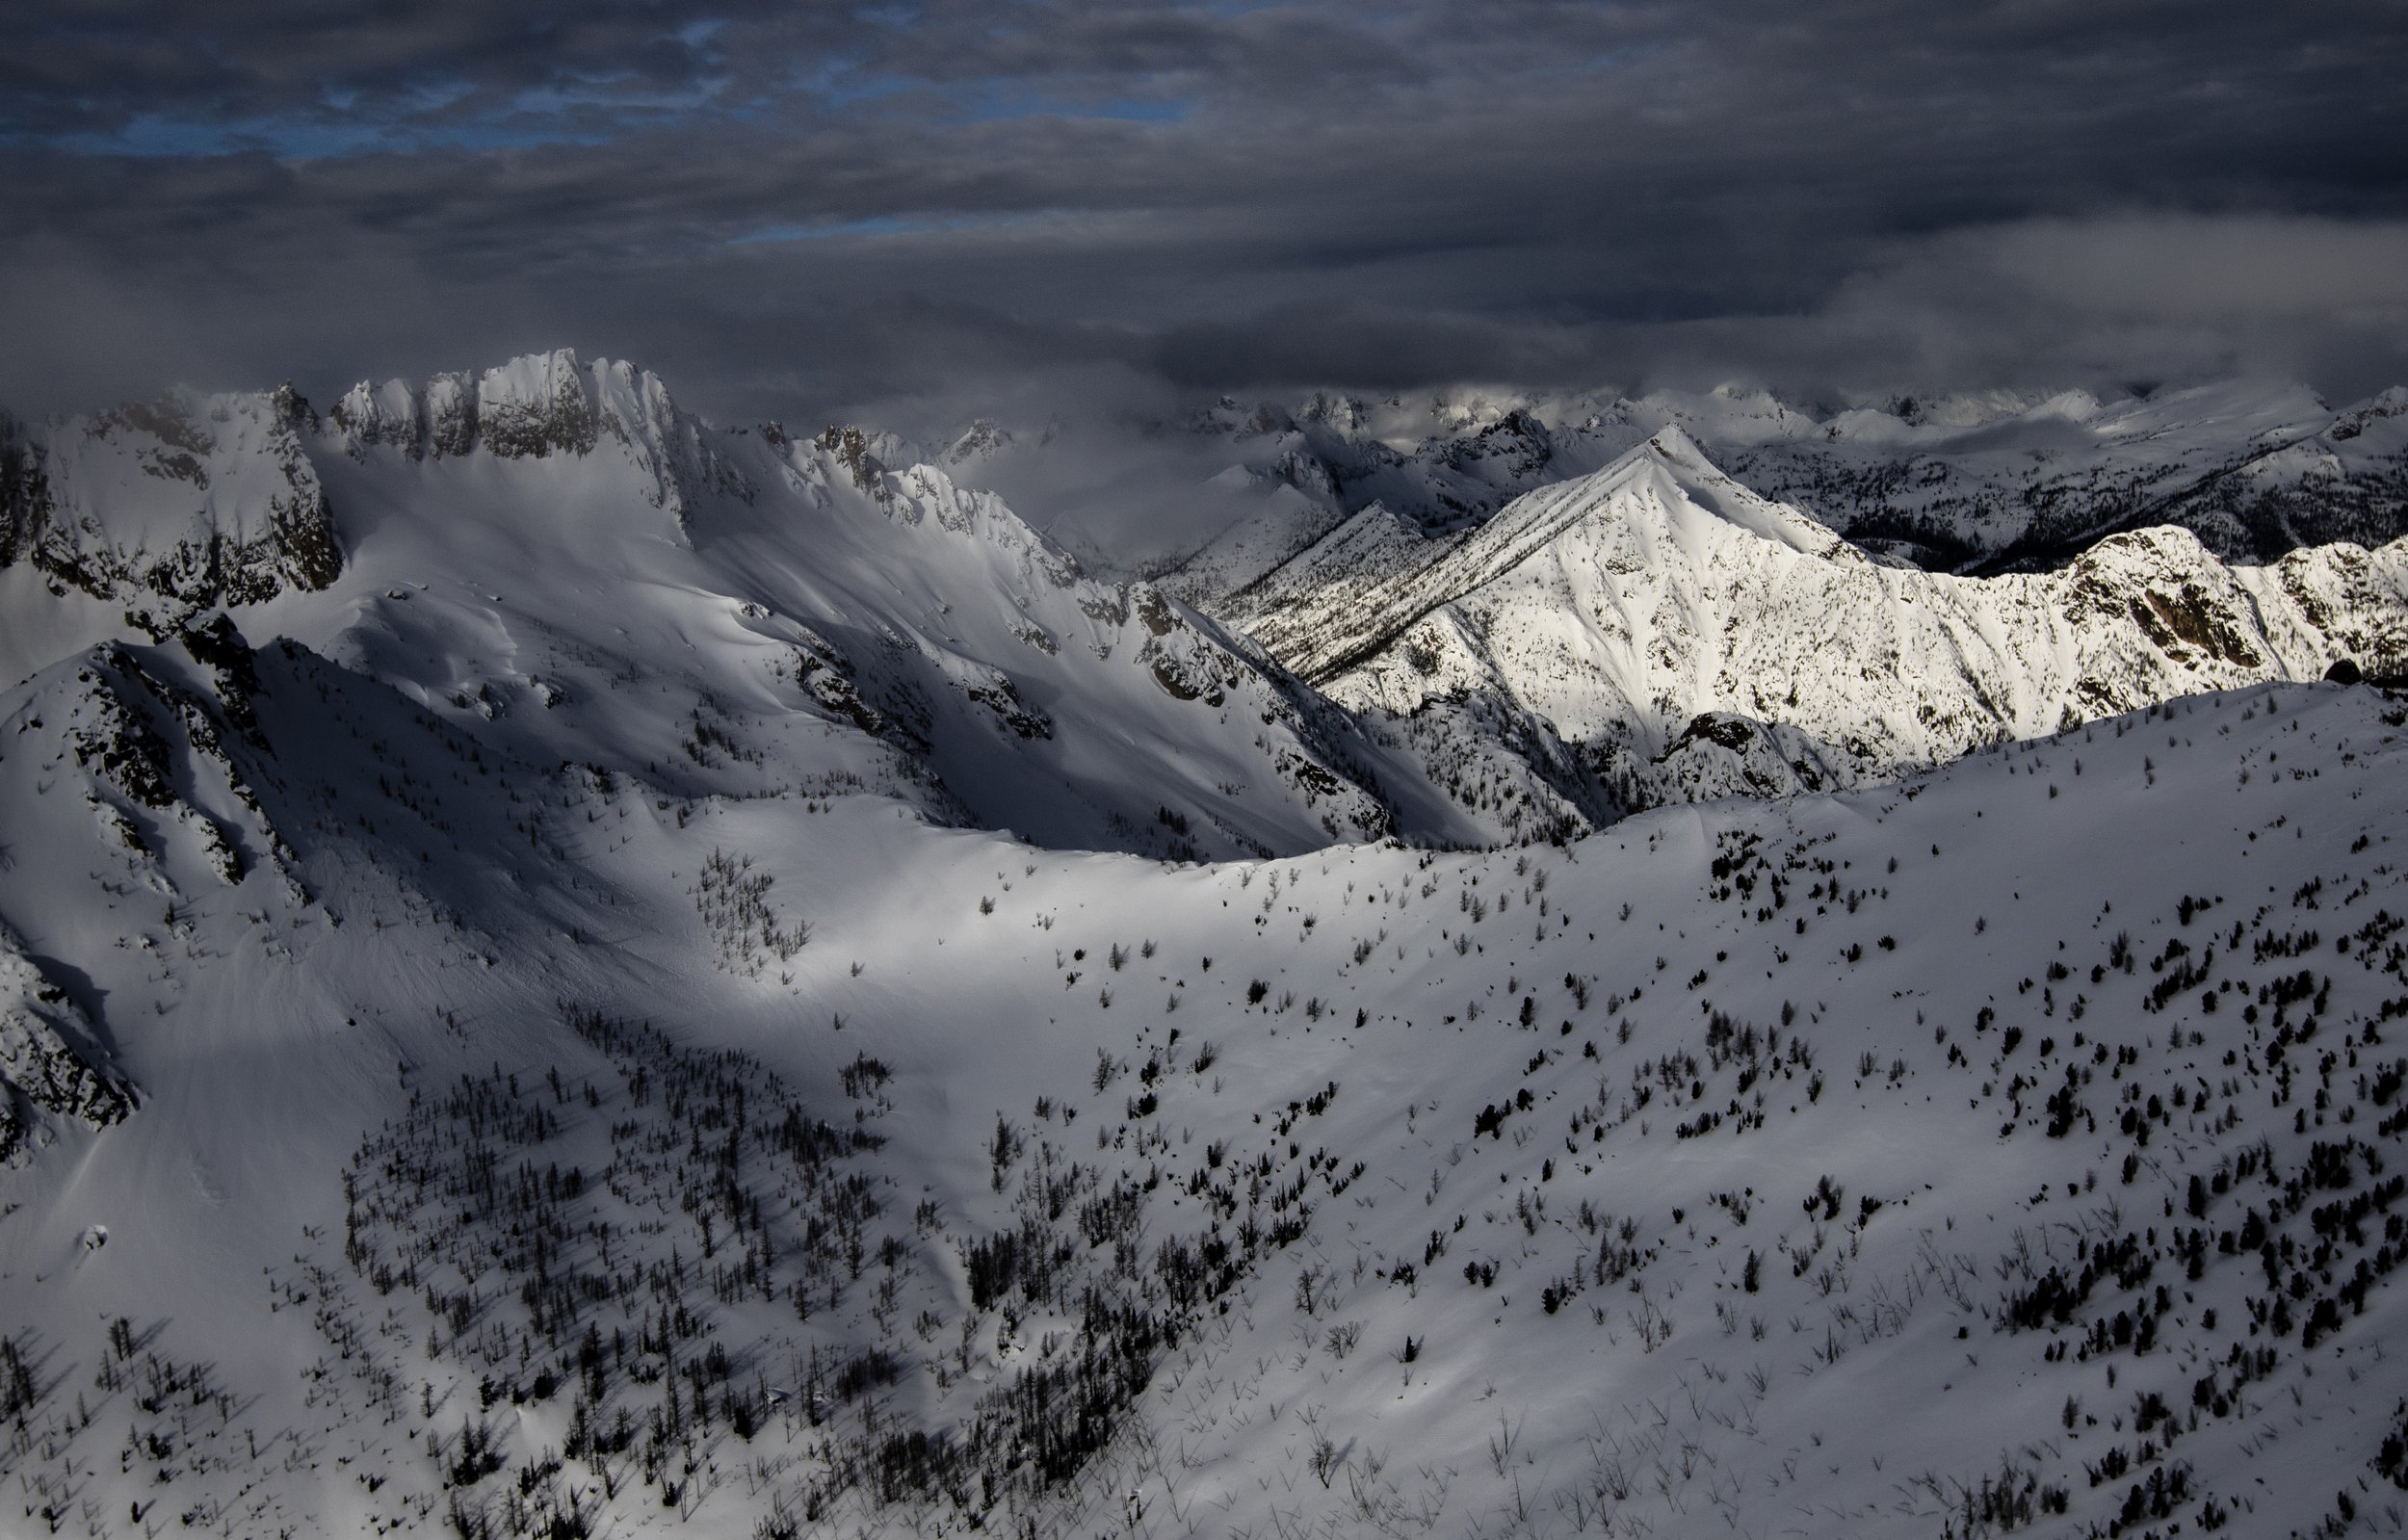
(822, 207)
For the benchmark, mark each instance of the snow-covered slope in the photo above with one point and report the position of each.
(1657, 632)
(554, 545)
(517, 1034)
(514, 1150)
(811, 615)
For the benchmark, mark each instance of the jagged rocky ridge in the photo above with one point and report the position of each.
(540, 405)
(825, 620)
(50, 1064)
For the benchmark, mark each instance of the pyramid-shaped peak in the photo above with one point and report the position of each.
(1689, 489)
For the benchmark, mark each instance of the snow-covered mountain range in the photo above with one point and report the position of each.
(567, 971)
(529, 543)
(1657, 632)
(1637, 627)
(1992, 482)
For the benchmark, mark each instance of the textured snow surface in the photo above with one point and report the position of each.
(713, 982)
(2007, 1142)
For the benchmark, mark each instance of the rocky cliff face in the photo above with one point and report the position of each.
(50, 1065)
(542, 405)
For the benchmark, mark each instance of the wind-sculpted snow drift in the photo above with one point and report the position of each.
(501, 1044)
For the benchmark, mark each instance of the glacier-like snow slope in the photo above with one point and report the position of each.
(1659, 632)
(509, 1147)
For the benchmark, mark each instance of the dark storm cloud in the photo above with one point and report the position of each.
(789, 209)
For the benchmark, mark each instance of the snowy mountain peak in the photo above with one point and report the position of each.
(538, 405)
(2390, 404)
(1697, 485)
(980, 440)
(1599, 619)
(534, 405)
(1658, 631)
(1660, 497)
(170, 505)
(813, 615)
(1970, 481)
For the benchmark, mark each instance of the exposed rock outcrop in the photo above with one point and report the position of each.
(51, 1064)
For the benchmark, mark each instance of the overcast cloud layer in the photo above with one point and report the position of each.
(804, 211)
